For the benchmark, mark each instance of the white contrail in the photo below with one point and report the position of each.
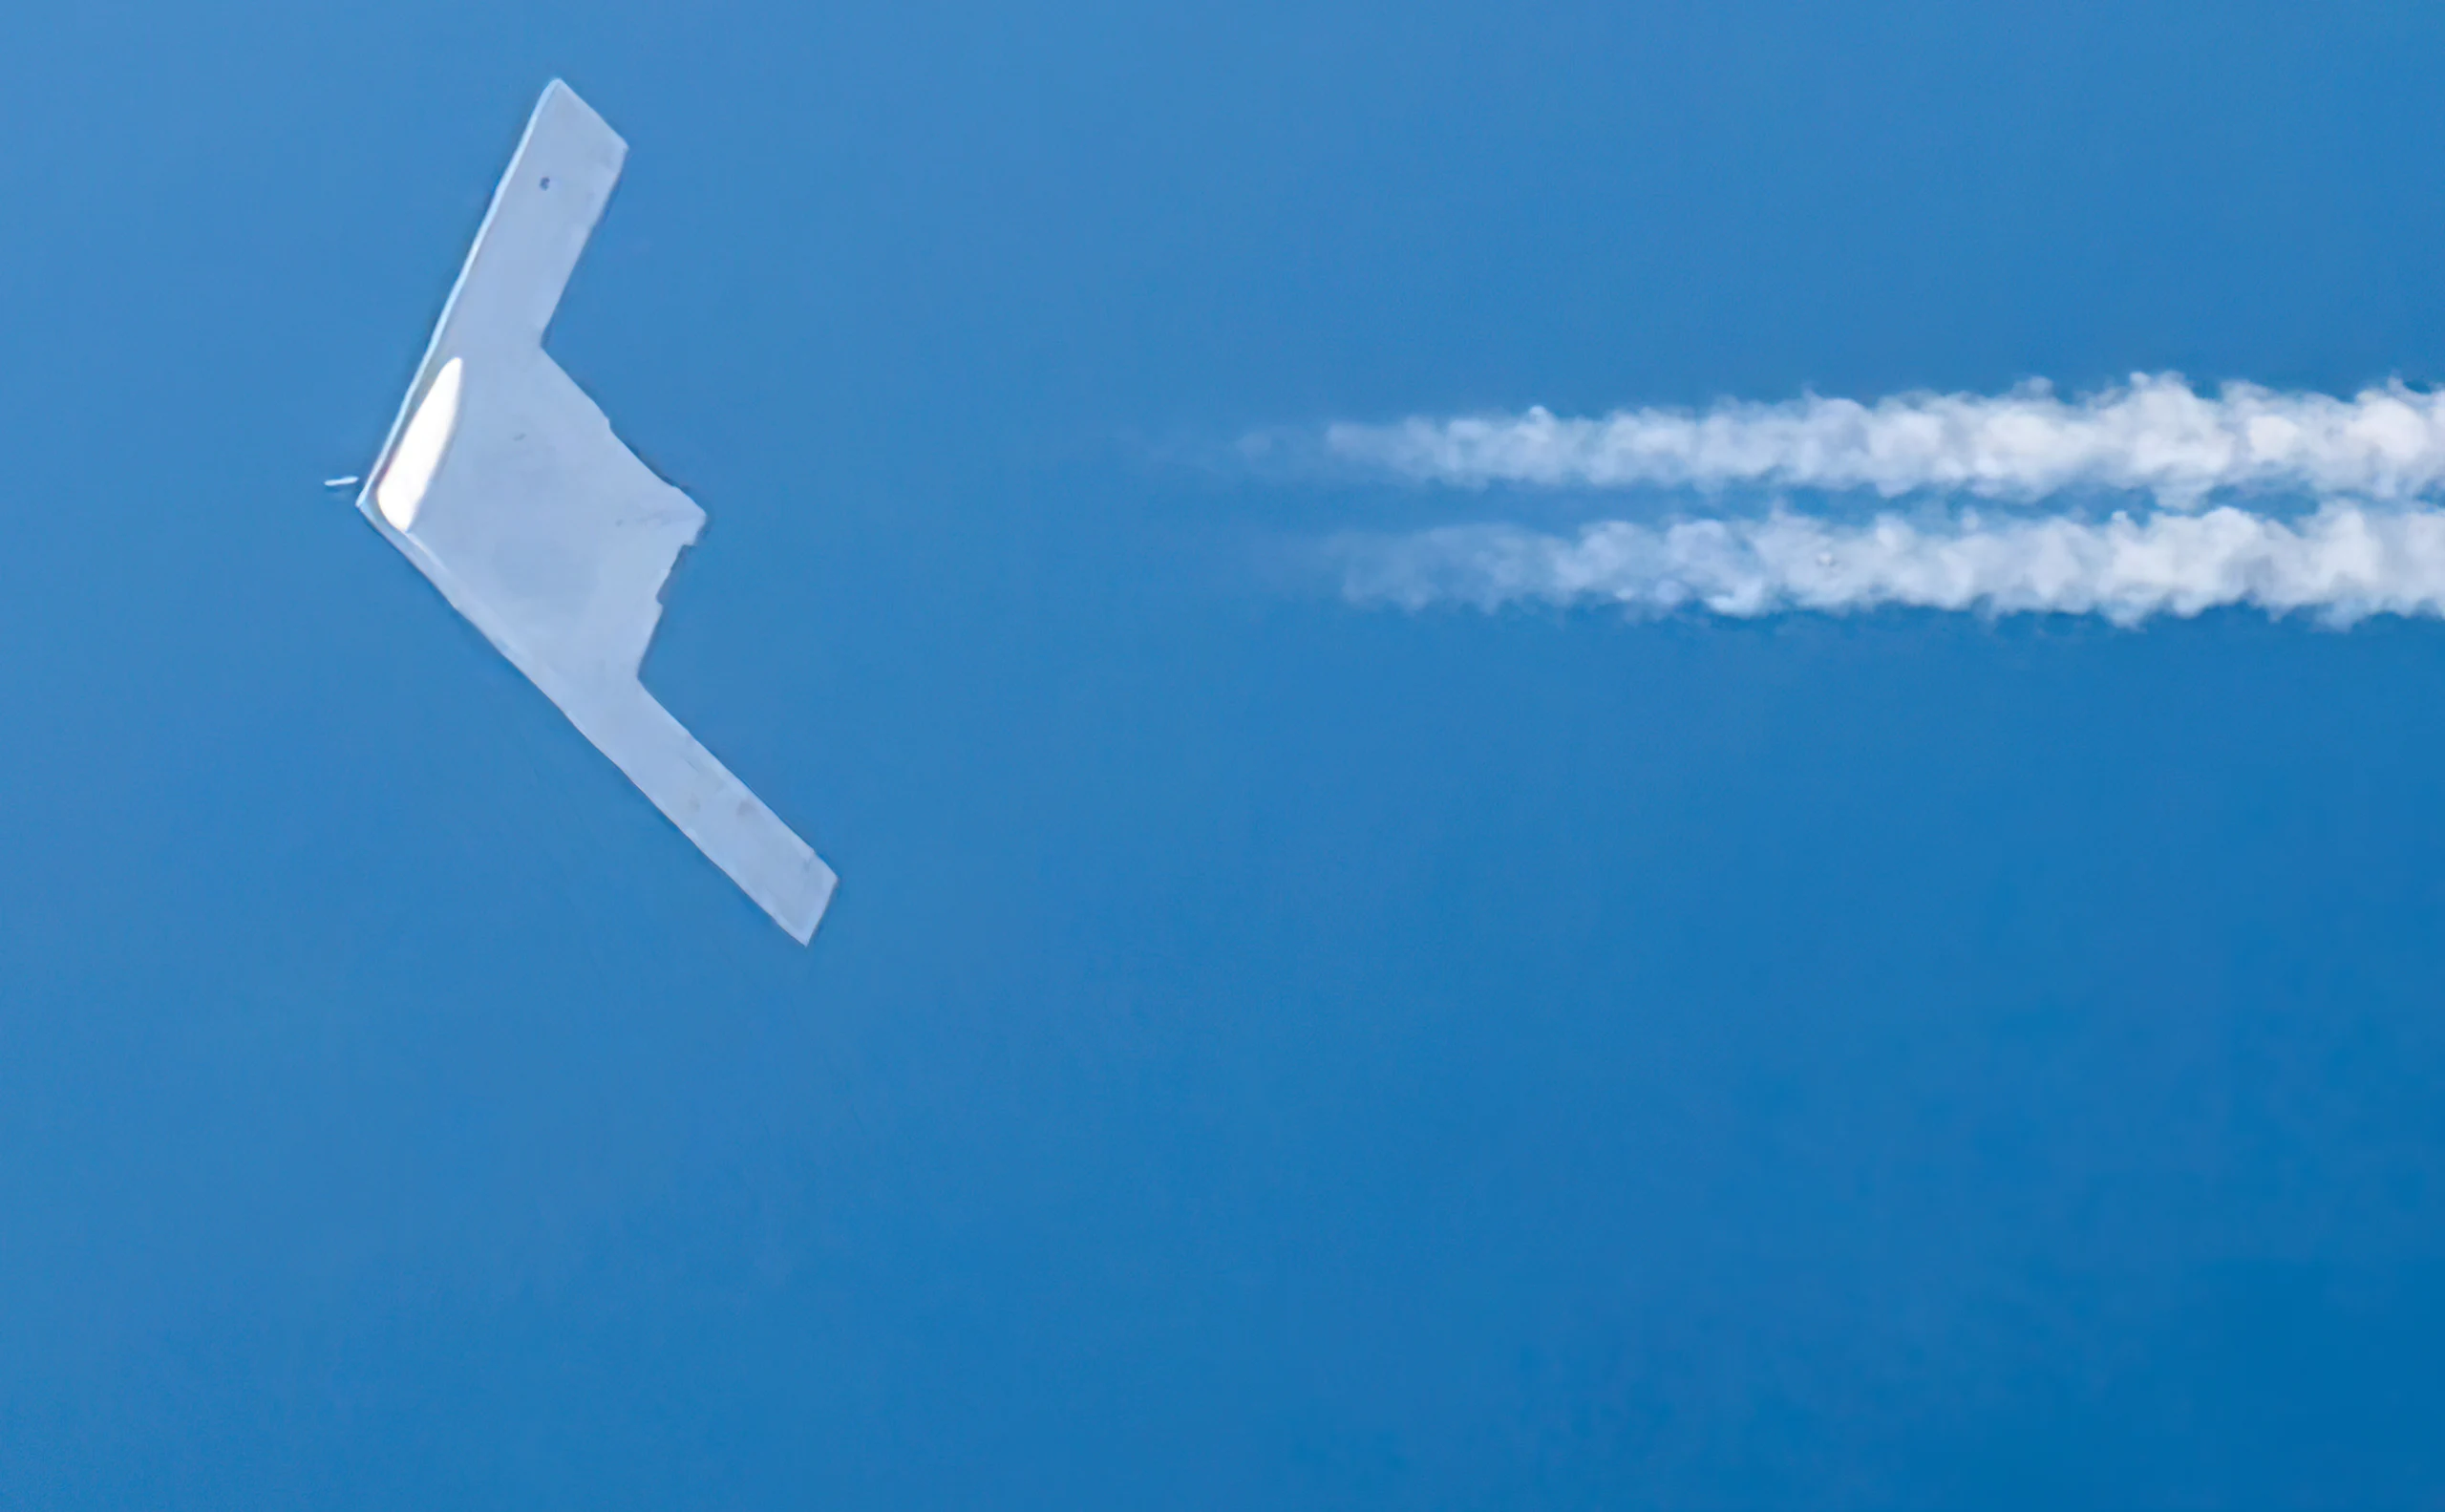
(2155, 434)
(2344, 562)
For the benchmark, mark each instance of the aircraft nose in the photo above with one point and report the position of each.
(414, 461)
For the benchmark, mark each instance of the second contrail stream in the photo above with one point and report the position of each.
(2342, 563)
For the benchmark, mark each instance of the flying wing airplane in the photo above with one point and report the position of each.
(503, 483)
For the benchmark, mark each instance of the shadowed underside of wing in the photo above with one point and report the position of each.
(503, 482)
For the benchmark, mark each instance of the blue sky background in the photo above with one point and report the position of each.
(1265, 1052)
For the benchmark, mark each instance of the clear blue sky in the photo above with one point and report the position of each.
(1265, 1052)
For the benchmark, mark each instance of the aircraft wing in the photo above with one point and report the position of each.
(503, 483)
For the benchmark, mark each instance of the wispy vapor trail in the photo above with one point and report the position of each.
(2156, 435)
(2342, 563)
